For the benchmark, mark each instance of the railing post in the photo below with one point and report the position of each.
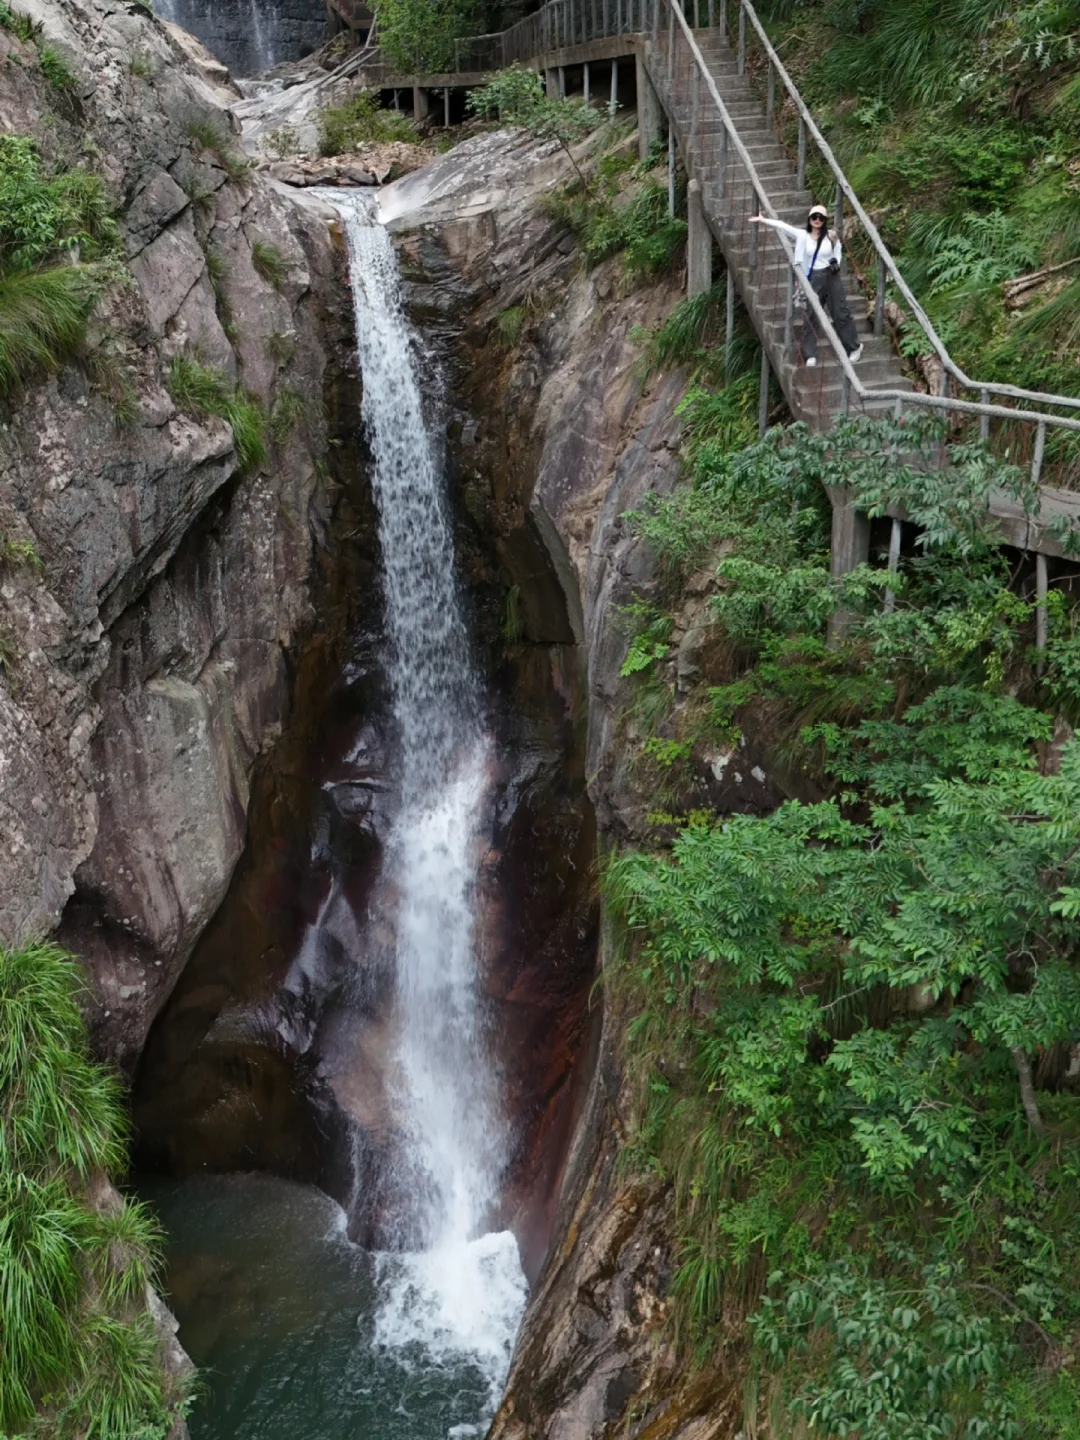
(607, 17)
(1041, 586)
(894, 565)
(695, 108)
(1037, 459)
(723, 19)
(984, 420)
(671, 44)
(879, 300)
(671, 172)
(789, 309)
(770, 96)
(845, 403)
(613, 97)
(446, 107)
(723, 163)
(800, 170)
(595, 20)
(712, 13)
(585, 81)
(838, 211)
(729, 322)
(763, 396)
(742, 39)
(457, 57)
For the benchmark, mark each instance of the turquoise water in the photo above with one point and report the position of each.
(278, 1309)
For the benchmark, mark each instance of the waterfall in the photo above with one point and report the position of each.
(446, 1284)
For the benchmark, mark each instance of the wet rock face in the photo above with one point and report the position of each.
(250, 36)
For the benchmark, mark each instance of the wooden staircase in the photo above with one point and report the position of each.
(753, 254)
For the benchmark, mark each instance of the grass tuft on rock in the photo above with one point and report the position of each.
(78, 1351)
(205, 390)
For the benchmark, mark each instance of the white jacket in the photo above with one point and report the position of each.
(805, 244)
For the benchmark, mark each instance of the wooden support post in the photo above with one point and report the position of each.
(446, 107)
(984, 420)
(613, 99)
(1041, 586)
(763, 396)
(649, 111)
(845, 401)
(420, 104)
(671, 171)
(879, 299)
(562, 82)
(698, 244)
(894, 565)
(850, 548)
(585, 81)
(551, 84)
(397, 100)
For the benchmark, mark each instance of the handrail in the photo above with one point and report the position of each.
(991, 387)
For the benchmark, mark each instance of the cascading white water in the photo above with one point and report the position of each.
(450, 1287)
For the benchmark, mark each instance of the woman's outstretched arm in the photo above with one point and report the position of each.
(792, 230)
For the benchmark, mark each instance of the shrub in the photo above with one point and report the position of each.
(419, 35)
(845, 1043)
(359, 121)
(206, 133)
(204, 390)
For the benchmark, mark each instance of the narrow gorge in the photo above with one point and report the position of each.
(541, 832)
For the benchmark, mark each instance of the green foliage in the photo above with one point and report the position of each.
(419, 35)
(269, 262)
(141, 66)
(517, 96)
(360, 121)
(649, 639)
(852, 1014)
(204, 390)
(77, 1348)
(42, 217)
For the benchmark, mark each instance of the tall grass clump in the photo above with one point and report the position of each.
(78, 1351)
(205, 390)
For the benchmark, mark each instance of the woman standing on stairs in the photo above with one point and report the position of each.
(817, 252)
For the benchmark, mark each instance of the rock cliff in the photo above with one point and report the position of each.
(149, 657)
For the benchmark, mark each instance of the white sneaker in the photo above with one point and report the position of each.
(856, 355)
(811, 362)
